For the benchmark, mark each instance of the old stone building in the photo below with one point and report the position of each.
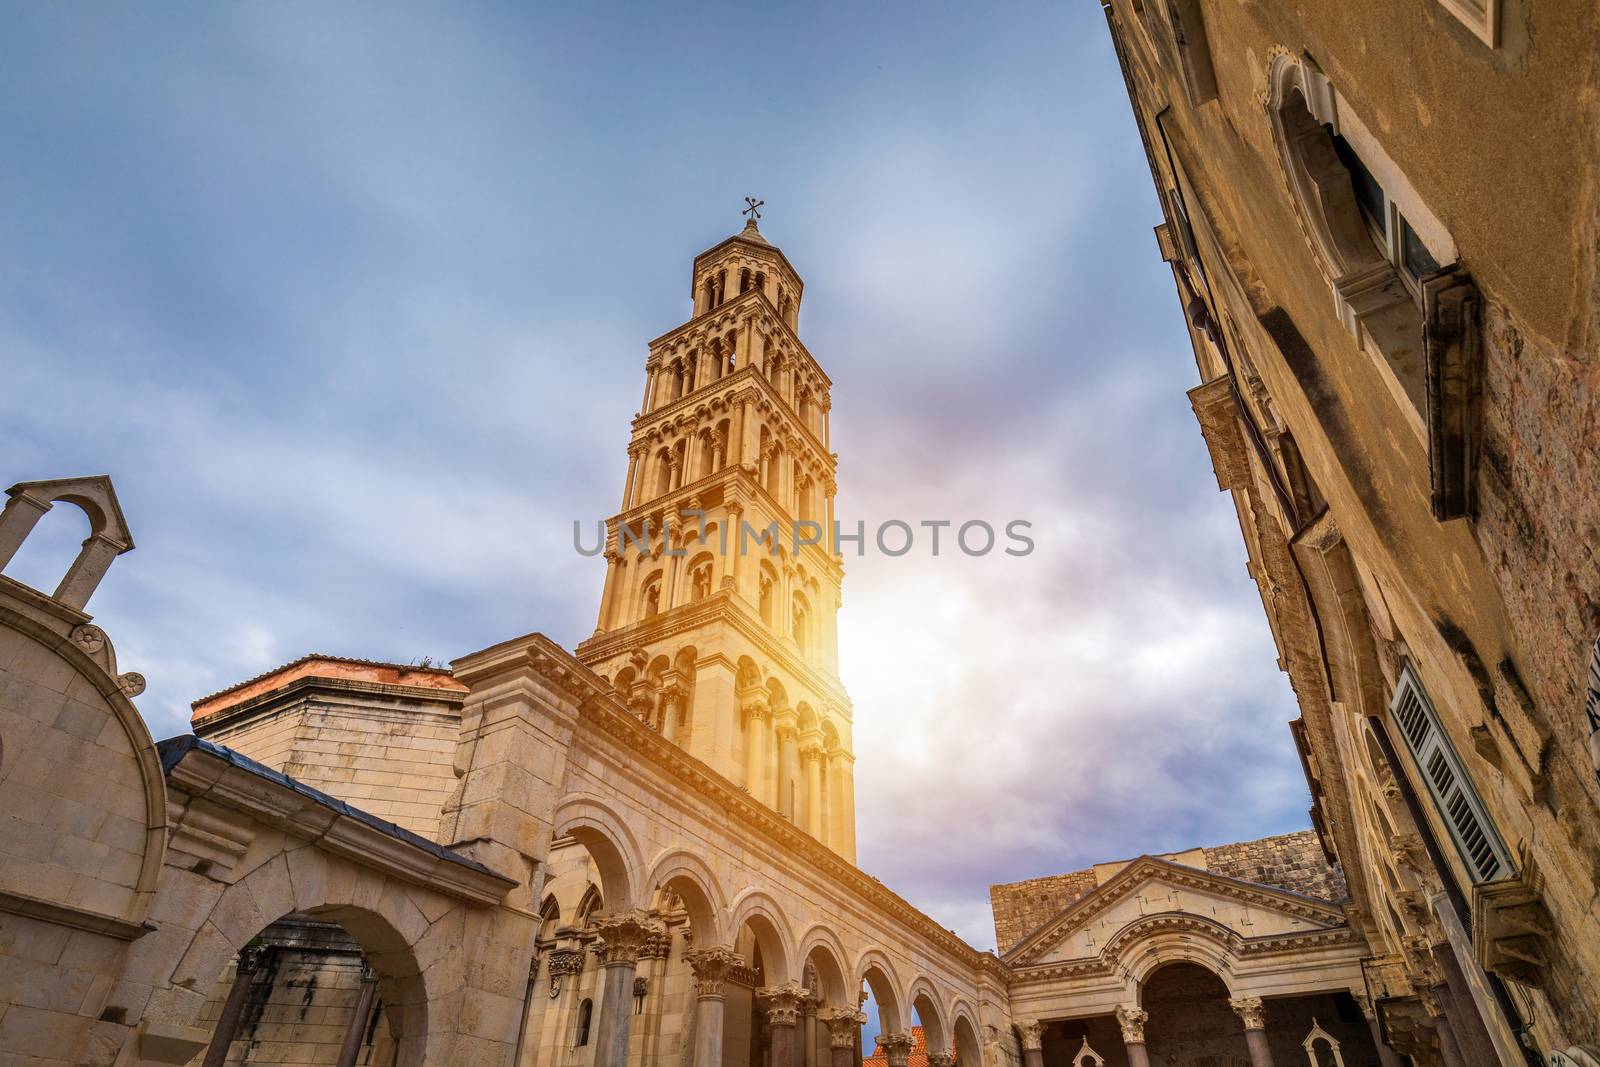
(640, 853)
(1382, 223)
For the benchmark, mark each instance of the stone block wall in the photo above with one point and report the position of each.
(1287, 861)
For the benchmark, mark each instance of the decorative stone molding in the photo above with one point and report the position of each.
(710, 968)
(1319, 1034)
(623, 938)
(1132, 1020)
(1147, 868)
(1032, 1031)
(897, 1047)
(783, 1003)
(844, 1024)
(565, 961)
(1511, 927)
(1251, 1010)
(1088, 1057)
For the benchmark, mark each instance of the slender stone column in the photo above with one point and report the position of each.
(1449, 1051)
(710, 968)
(808, 1031)
(1472, 1036)
(1254, 1014)
(1032, 1031)
(358, 1020)
(788, 764)
(1132, 1019)
(633, 472)
(897, 1047)
(623, 936)
(613, 567)
(844, 1030)
(757, 715)
(671, 703)
(783, 1014)
(228, 1021)
(812, 753)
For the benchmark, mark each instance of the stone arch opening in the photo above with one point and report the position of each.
(926, 1013)
(965, 1034)
(1190, 1017)
(318, 986)
(108, 536)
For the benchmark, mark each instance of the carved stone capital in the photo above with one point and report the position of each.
(941, 1059)
(624, 936)
(710, 967)
(1032, 1031)
(1251, 1010)
(1132, 1020)
(897, 1047)
(783, 1003)
(843, 1025)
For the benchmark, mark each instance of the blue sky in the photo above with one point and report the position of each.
(352, 302)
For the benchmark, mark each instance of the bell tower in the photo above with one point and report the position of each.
(717, 621)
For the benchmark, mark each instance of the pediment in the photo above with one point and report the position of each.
(1152, 893)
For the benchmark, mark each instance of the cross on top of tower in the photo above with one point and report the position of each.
(754, 210)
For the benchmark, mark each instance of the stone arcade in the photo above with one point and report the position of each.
(640, 854)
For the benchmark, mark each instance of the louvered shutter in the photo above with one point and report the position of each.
(1457, 802)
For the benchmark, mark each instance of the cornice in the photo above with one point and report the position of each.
(644, 423)
(763, 246)
(676, 501)
(720, 606)
(1107, 963)
(731, 308)
(601, 710)
(311, 684)
(1147, 868)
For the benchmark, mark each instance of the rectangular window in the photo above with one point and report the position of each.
(1449, 787)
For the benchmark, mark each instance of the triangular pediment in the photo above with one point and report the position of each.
(1151, 890)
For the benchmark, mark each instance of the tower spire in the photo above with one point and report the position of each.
(717, 622)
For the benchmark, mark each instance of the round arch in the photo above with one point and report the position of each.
(765, 919)
(394, 935)
(875, 970)
(1142, 948)
(964, 1034)
(822, 948)
(690, 877)
(924, 999)
(599, 828)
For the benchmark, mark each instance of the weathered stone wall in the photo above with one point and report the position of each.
(1289, 861)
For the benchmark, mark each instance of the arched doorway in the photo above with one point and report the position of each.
(1190, 1020)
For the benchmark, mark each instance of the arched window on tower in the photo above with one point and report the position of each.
(744, 281)
(801, 623)
(768, 587)
(651, 596)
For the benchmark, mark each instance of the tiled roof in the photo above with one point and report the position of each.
(918, 1057)
(319, 663)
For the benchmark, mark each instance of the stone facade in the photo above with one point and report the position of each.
(634, 856)
(1392, 302)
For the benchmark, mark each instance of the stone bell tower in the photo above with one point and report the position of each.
(717, 622)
